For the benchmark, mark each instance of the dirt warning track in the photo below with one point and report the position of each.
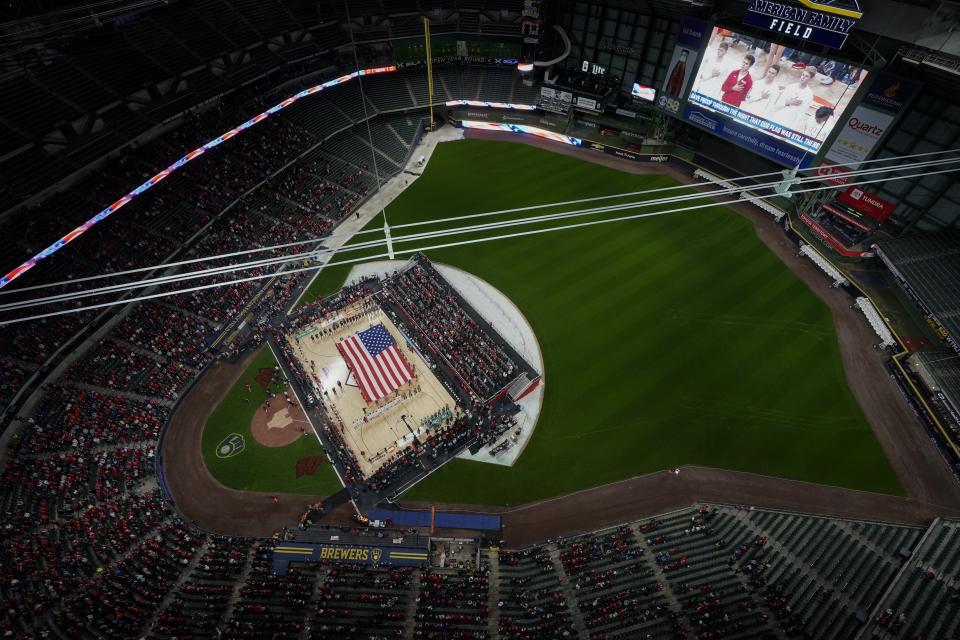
(196, 493)
(930, 487)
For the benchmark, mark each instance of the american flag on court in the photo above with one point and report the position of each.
(375, 360)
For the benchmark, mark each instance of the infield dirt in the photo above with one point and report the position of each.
(279, 424)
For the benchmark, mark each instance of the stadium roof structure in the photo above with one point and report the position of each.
(944, 367)
(928, 266)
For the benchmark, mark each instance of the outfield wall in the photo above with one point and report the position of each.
(656, 154)
(624, 139)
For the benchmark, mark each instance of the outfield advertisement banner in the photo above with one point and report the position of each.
(746, 137)
(491, 105)
(859, 136)
(831, 173)
(867, 203)
(626, 155)
(522, 128)
(681, 66)
(555, 100)
(824, 235)
(588, 104)
(890, 93)
(862, 131)
(658, 158)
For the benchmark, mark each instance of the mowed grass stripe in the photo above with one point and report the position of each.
(667, 340)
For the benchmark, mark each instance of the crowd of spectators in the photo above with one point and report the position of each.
(34, 342)
(158, 328)
(53, 565)
(532, 604)
(76, 491)
(453, 435)
(306, 221)
(436, 310)
(358, 602)
(74, 419)
(352, 475)
(277, 142)
(219, 309)
(115, 366)
(122, 600)
(201, 600)
(12, 378)
(155, 225)
(271, 606)
(613, 583)
(64, 482)
(126, 566)
(125, 246)
(84, 532)
(453, 605)
(322, 307)
(394, 468)
(314, 186)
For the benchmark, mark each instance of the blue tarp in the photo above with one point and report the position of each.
(402, 518)
(479, 521)
(445, 519)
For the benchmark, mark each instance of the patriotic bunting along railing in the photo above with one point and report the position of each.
(86, 226)
(491, 105)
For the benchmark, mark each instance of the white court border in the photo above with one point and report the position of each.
(508, 321)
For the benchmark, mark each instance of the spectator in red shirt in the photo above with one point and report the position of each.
(738, 84)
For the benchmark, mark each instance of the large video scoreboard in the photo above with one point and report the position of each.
(777, 102)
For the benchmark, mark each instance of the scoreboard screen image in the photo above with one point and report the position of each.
(785, 96)
(643, 92)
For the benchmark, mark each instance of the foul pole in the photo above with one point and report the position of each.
(429, 54)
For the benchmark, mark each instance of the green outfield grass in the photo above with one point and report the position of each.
(678, 339)
(260, 468)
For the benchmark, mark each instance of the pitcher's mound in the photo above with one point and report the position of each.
(280, 424)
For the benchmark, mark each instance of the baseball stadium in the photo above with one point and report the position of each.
(480, 319)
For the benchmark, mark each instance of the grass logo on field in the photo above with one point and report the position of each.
(230, 446)
(309, 465)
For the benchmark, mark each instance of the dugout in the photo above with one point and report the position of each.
(383, 547)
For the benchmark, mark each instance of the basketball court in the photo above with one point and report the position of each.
(377, 430)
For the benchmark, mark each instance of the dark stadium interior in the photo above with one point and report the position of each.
(103, 102)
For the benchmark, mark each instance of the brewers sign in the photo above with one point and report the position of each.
(297, 551)
(823, 23)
